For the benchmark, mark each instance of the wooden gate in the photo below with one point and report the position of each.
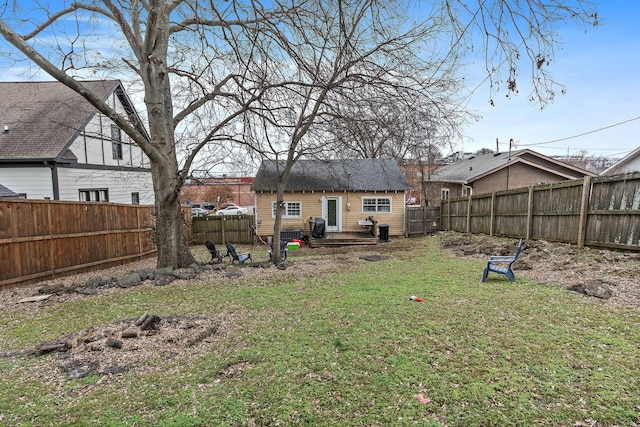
(422, 220)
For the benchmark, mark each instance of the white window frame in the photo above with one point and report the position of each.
(94, 195)
(378, 207)
(116, 143)
(289, 207)
(445, 193)
(467, 191)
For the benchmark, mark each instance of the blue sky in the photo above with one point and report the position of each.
(601, 72)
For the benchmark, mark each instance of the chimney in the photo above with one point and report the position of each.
(6, 129)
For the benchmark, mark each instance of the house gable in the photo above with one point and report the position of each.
(53, 133)
(629, 163)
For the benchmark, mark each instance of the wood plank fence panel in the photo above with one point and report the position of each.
(42, 239)
(481, 214)
(224, 228)
(420, 220)
(605, 212)
(510, 212)
(614, 212)
(556, 212)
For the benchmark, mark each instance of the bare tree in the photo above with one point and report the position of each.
(271, 76)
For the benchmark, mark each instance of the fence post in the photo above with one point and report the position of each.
(529, 213)
(493, 213)
(584, 208)
(469, 214)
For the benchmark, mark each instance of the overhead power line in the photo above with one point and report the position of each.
(585, 133)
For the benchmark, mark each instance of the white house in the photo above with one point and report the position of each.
(54, 144)
(629, 163)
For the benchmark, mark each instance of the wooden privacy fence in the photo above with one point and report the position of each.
(600, 212)
(44, 239)
(223, 228)
(422, 221)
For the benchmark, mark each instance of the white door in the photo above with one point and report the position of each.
(332, 213)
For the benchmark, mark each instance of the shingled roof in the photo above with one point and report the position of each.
(39, 120)
(471, 169)
(5, 192)
(334, 175)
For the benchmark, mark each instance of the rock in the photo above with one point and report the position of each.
(128, 280)
(163, 280)
(129, 333)
(591, 287)
(597, 288)
(147, 273)
(56, 289)
(88, 291)
(150, 323)
(233, 274)
(164, 276)
(113, 343)
(99, 282)
(185, 273)
(77, 369)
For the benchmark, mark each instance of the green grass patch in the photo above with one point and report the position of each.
(347, 347)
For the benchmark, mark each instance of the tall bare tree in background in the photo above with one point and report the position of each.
(273, 77)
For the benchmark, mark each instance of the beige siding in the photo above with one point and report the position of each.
(517, 176)
(351, 207)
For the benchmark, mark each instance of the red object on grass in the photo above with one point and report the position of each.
(416, 299)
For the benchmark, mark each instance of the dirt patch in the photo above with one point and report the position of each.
(611, 276)
(126, 344)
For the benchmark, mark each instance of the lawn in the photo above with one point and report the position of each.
(346, 347)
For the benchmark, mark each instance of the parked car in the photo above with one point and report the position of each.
(205, 205)
(226, 205)
(199, 212)
(233, 210)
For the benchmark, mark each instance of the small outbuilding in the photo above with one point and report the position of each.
(351, 196)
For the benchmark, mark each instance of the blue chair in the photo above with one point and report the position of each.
(239, 257)
(502, 264)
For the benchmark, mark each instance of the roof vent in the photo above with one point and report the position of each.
(497, 154)
(6, 129)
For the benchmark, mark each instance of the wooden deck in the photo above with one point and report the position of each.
(343, 239)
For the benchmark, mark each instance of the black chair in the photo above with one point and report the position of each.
(212, 250)
(283, 250)
(239, 257)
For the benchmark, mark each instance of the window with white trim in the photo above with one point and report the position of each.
(466, 191)
(444, 194)
(101, 195)
(291, 210)
(116, 142)
(376, 204)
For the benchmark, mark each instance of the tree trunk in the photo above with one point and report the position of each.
(171, 237)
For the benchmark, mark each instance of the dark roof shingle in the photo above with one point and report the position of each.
(42, 118)
(334, 175)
